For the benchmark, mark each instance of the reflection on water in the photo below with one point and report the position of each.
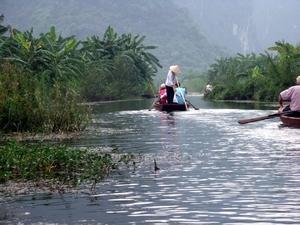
(212, 171)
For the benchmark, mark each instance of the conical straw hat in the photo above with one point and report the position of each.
(175, 69)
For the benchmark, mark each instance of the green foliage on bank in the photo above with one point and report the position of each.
(255, 77)
(30, 104)
(45, 80)
(117, 67)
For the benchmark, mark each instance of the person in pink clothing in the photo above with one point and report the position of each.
(291, 94)
(163, 94)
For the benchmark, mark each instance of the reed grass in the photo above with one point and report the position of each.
(31, 104)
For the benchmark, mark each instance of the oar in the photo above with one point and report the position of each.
(265, 117)
(154, 103)
(191, 104)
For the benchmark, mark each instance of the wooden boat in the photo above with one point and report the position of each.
(170, 107)
(290, 121)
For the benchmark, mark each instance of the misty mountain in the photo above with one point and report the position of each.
(247, 26)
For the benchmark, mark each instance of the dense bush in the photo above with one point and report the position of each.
(28, 104)
(45, 80)
(251, 77)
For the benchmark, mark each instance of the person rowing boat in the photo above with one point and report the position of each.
(170, 82)
(291, 94)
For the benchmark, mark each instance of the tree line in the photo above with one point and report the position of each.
(180, 40)
(254, 77)
(45, 80)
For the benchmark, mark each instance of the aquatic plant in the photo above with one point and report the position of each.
(42, 162)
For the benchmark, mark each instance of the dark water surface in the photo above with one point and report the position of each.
(212, 170)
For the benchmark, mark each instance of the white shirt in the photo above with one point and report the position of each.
(170, 79)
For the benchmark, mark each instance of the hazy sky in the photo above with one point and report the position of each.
(277, 20)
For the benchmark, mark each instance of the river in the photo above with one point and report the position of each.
(212, 170)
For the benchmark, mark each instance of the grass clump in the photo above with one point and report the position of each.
(41, 162)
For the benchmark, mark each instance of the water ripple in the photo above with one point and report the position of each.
(212, 171)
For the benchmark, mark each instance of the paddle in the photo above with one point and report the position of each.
(154, 103)
(191, 104)
(265, 117)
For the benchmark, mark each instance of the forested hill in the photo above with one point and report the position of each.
(165, 24)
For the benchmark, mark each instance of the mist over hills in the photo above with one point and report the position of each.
(189, 33)
(247, 26)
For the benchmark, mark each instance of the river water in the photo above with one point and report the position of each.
(212, 169)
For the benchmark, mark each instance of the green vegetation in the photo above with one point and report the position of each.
(44, 80)
(44, 83)
(117, 67)
(251, 77)
(39, 162)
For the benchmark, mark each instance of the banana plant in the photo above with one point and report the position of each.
(288, 61)
(57, 58)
